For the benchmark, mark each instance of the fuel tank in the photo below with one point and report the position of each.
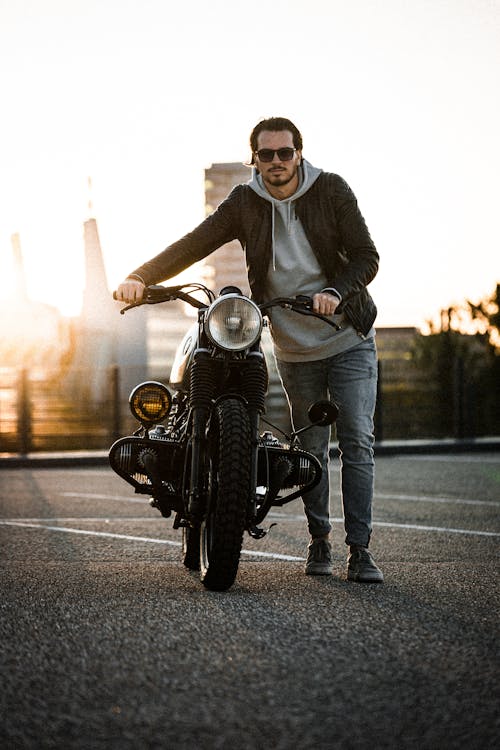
(179, 374)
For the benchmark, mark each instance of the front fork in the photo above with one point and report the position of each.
(254, 447)
(255, 384)
(196, 496)
(202, 391)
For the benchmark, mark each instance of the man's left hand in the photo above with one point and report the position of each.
(325, 303)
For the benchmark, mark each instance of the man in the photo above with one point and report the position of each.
(303, 233)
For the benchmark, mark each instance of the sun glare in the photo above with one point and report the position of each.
(52, 272)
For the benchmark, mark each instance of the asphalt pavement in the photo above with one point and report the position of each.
(106, 641)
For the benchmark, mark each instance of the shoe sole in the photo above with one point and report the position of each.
(351, 576)
(319, 571)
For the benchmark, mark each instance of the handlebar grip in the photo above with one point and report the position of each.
(303, 299)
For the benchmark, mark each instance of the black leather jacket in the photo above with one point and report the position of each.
(333, 225)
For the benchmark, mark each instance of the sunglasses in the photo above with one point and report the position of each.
(267, 154)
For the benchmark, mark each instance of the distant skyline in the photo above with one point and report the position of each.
(400, 98)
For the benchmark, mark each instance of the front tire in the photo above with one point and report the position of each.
(221, 536)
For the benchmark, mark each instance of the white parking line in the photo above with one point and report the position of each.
(444, 530)
(433, 499)
(453, 458)
(411, 526)
(378, 495)
(277, 556)
(88, 532)
(130, 538)
(84, 519)
(94, 496)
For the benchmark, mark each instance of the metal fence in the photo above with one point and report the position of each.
(43, 410)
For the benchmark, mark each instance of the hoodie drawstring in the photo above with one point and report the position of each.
(288, 225)
(272, 234)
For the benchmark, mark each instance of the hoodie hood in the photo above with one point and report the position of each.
(307, 177)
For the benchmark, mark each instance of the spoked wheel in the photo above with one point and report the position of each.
(222, 530)
(191, 547)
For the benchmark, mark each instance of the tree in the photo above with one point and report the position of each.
(461, 354)
(487, 314)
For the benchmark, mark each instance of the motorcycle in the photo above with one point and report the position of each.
(198, 451)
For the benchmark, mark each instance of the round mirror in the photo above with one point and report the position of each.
(323, 412)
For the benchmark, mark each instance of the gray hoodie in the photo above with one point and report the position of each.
(294, 269)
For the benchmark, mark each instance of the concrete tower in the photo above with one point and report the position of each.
(20, 286)
(105, 337)
(98, 308)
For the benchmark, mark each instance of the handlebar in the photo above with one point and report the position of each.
(157, 293)
(300, 304)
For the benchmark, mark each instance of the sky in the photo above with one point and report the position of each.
(399, 97)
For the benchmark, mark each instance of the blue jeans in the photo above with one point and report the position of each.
(350, 379)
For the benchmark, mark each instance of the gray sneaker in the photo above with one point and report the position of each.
(361, 567)
(319, 558)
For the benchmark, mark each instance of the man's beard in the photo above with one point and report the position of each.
(279, 178)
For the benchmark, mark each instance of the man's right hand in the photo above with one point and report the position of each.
(130, 290)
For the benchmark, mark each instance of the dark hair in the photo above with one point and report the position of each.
(275, 124)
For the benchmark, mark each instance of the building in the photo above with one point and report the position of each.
(228, 262)
(396, 342)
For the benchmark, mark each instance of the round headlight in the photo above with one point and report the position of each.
(150, 402)
(234, 323)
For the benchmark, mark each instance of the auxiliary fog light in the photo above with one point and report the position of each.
(150, 402)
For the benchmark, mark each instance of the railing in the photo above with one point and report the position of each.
(88, 409)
